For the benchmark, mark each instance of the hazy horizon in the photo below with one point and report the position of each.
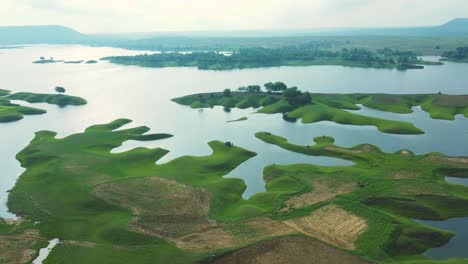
(121, 16)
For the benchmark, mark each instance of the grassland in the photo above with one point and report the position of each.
(185, 211)
(10, 112)
(329, 106)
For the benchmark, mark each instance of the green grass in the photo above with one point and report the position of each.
(319, 112)
(332, 107)
(57, 99)
(65, 183)
(10, 112)
(393, 189)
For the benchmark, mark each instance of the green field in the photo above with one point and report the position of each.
(184, 211)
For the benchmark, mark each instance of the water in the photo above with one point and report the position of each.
(456, 248)
(143, 95)
(44, 252)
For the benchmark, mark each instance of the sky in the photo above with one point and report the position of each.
(107, 16)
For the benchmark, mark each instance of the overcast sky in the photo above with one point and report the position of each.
(92, 16)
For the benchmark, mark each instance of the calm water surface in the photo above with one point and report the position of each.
(143, 95)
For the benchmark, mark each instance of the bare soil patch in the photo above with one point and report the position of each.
(332, 225)
(160, 206)
(324, 189)
(404, 174)
(290, 250)
(443, 159)
(233, 236)
(18, 248)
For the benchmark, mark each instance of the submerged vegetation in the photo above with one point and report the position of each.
(285, 56)
(185, 211)
(10, 112)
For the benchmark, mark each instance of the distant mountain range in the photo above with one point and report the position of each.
(40, 35)
(18, 35)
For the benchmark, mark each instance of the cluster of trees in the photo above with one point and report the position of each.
(250, 89)
(460, 54)
(296, 97)
(276, 87)
(263, 57)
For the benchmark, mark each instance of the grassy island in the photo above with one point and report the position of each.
(285, 56)
(10, 112)
(57, 99)
(314, 107)
(185, 211)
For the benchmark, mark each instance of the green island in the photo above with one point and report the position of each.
(124, 208)
(43, 60)
(10, 112)
(272, 57)
(57, 99)
(460, 54)
(312, 107)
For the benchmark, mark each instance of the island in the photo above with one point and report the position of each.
(314, 107)
(185, 211)
(272, 57)
(10, 112)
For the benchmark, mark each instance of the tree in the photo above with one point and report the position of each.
(227, 92)
(60, 89)
(275, 87)
(296, 98)
(254, 88)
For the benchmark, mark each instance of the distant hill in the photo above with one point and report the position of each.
(15, 35)
(456, 26)
(18, 35)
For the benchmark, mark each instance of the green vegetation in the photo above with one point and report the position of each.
(57, 99)
(460, 54)
(95, 201)
(391, 190)
(331, 107)
(312, 108)
(43, 60)
(285, 56)
(73, 62)
(244, 118)
(10, 112)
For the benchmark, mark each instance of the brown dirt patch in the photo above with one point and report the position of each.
(403, 174)
(444, 159)
(160, 206)
(324, 189)
(331, 224)
(232, 236)
(290, 250)
(342, 150)
(18, 248)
